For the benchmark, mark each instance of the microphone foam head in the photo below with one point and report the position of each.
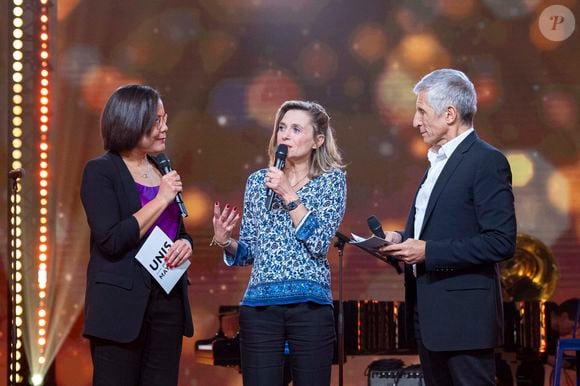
(373, 222)
(282, 151)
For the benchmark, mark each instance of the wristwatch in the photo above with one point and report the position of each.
(292, 205)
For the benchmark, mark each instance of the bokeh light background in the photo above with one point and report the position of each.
(223, 68)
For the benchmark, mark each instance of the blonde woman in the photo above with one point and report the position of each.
(288, 298)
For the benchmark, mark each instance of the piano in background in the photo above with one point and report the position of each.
(373, 327)
(224, 348)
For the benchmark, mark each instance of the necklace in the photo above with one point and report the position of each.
(299, 181)
(147, 172)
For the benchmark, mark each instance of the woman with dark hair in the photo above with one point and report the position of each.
(288, 298)
(135, 328)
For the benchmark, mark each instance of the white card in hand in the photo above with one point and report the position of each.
(372, 243)
(152, 257)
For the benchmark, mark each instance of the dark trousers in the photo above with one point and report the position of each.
(455, 368)
(153, 358)
(309, 330)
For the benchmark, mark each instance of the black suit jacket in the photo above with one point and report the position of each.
(469, 227)
(117, 286)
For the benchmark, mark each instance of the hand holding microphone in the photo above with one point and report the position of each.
(394, 237)
(168, 173)
(279, 163)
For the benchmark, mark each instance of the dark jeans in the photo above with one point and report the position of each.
(455, 368)
(153, 358)
(309, 330)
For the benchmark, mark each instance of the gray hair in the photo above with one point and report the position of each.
(448, 87)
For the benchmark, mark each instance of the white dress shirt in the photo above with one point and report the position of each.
(437, 158)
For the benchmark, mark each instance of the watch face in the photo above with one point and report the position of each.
(292, 205)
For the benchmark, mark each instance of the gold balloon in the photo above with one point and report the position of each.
(531, 274)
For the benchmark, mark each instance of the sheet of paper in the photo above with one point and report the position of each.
(152, 255)
(371, 243)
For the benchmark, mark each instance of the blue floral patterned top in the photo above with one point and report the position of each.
(289, 264)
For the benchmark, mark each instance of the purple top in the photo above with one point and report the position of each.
(169, 219)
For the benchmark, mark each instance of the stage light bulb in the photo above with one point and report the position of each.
(37, 379)
(17, 77)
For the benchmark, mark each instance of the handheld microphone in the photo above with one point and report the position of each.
(165, 166)
(15, 174)
(377, 229)
(280, 161)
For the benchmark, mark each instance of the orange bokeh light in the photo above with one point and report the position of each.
(369, 43)
(267, 92)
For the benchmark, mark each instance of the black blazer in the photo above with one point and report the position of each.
(469, 227)
(117, 286)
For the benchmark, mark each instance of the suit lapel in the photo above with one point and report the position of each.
(128, 185)
(446, 174)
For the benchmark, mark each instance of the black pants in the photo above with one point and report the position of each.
(455, 368)
(153, 358)
(309, 330)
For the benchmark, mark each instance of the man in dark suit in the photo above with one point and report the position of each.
(461, 224)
